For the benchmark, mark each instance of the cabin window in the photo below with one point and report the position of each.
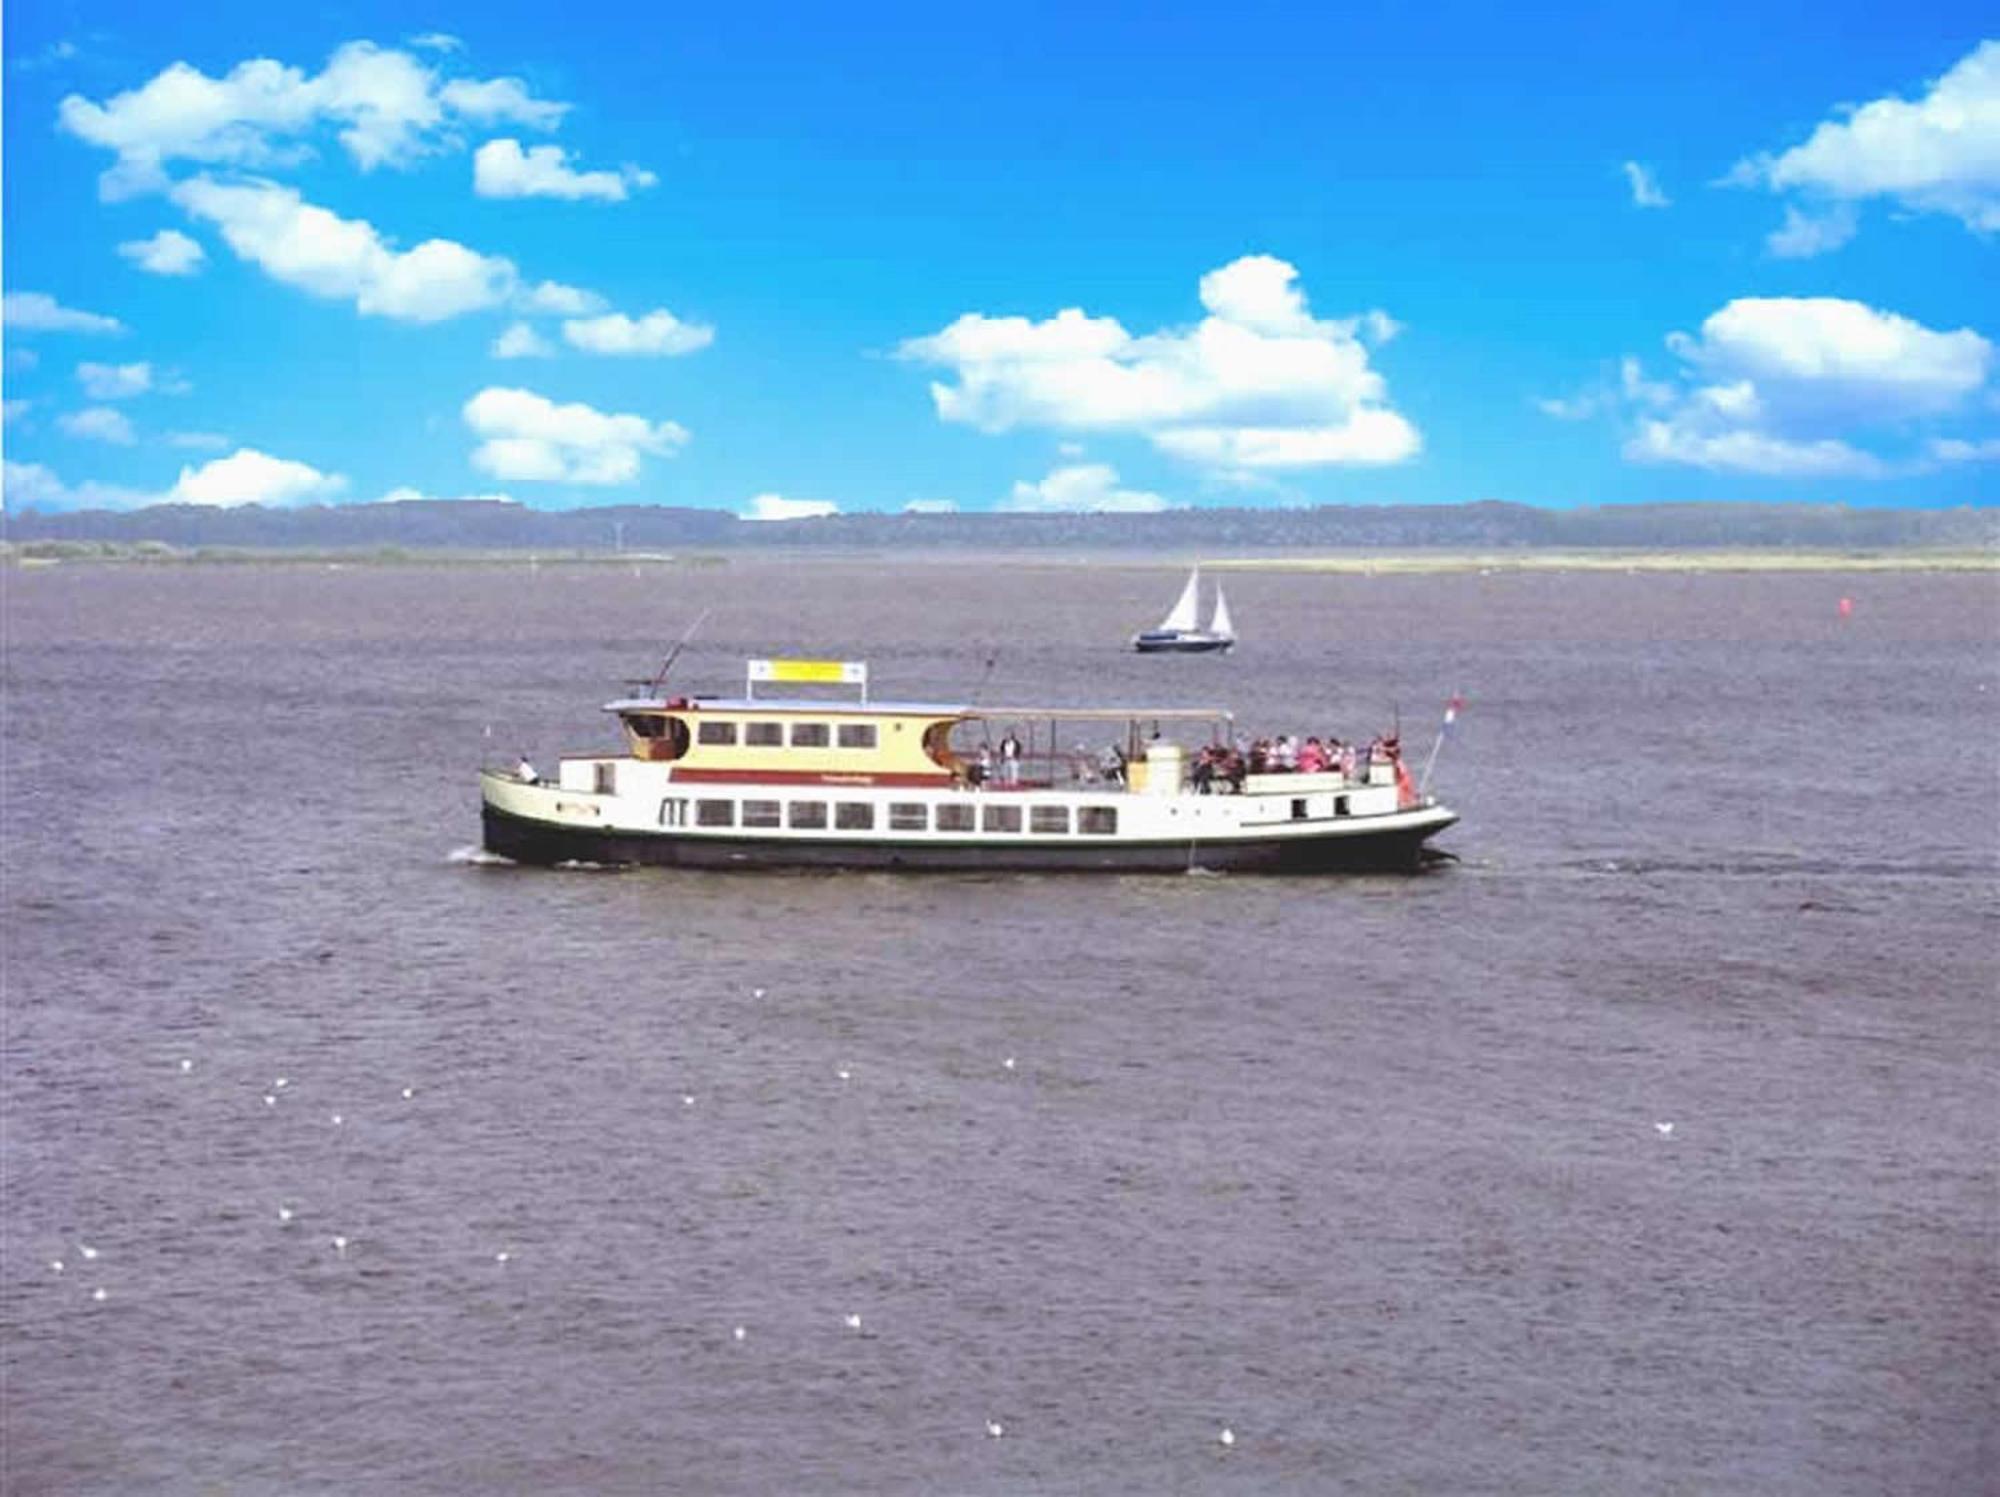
(954, 818)
(809, 735)
(673, 812)
(1340, 805)
(1299, 808)
(715, 813)
(606, 780)
(1048, 819)
(760, 813)
(646, 727)
(908, 816)
(854, 815)
(807, 814)
(1000, 818)
(712, 731)
(764, 735)
(1097, 821)
(857, 735)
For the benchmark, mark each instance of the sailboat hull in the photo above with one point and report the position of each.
(1180, 642)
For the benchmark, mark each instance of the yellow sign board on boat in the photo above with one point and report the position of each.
(835, 672)
(843, 672)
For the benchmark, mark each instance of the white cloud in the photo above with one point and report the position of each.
(33, 484)
(309, 247)
(520, 341)
(408, 494)
(13, 410)
(1828, 353)
(98, 423)
(559, 300)
(1956, 450)
(1570, 408)
(1787, 387)
(197, 440)
(501, 169)
(931, 507)
(1645, 187)
(169, 252)
(38, 312)
(390, 107)
(114, 381)
(1258, 382)
(1750, 452)
(657, 333)
(778, 507)
(501, 101)
(437, 41)
(529, 438)
(248, 476)
(1804, 235)
(1940, 154)
(1085, 488)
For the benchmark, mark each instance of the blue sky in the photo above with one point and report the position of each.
(779, 259)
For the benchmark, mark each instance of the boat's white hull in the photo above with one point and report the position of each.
(1303, 823)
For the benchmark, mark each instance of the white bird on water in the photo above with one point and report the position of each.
(284, 1213)
(1666, 1129)
(338, 1120)
(687, 1101)
(88, 1252)
(409, 1092)
(842, 1073)
(739, 1333)
(269, 1100)
(1227, 1437)
(187, 1065)
(340, 1245)
(281, 1083)
(502, 1257)
(1008, 1062)
(99, 1295)
(854, 1322)
(756, 992)
(995, 1428)
(56, 1264)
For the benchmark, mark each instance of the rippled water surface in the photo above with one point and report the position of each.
(1372, 1172)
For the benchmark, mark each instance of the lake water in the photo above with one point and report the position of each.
(1372, 1172)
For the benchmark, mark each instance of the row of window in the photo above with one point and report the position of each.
(904, 816)
(724, 733)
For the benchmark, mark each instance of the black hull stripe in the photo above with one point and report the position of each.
(528, 841)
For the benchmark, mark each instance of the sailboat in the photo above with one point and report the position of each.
(1177, 634)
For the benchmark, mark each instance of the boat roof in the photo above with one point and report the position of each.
(908, 709)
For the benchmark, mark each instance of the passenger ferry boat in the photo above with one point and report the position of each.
(763, 781)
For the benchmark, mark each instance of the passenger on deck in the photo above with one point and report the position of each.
(1202, 776)
(1010, 760)
(1312, 758)
(1111, 764)
(1284, 755)
(981, 768)
(525, 772)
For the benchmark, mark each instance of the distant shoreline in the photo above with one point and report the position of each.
(1408, 561)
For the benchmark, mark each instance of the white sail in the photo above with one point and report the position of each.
(1219, 624)
(1183, 615)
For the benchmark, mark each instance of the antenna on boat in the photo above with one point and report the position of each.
(675, 653)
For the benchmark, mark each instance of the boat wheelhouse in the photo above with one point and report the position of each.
(763, 781)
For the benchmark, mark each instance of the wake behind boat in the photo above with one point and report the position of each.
(1176, 634)
(750, 781)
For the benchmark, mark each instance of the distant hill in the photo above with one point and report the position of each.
(491, 525)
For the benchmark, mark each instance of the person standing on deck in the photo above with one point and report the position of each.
(1010, 760)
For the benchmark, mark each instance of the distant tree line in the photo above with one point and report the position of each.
(492, 525)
